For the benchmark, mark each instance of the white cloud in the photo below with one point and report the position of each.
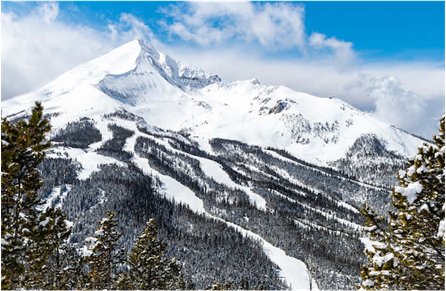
(343, 51)
(394, 104)
(272, 25)
(38, 47)
(48, 11)
(129, 28)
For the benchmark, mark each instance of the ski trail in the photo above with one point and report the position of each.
(293, 271)
(210, 168)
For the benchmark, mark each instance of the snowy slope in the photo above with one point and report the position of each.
(293, 271)
(173, 95)
(159, 97)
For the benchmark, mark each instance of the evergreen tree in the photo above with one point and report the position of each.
(409, 253)
(218, 286)
(43, 252)
(72, 275)
(150, 267)
(189, 285)
(124, 282)
(107, 253)
(23, 146)
(382, 272)
(244, 284)
(47, 271)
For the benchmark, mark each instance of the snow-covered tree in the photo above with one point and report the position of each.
(218, 286)
(123, 282)
(72, 275)
(43, 252)
(150, 268)
(382, 272)
(23, 145)
(409, 252)
(106, 253)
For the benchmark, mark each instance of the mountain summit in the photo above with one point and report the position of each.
(266, 177)
(174, 95)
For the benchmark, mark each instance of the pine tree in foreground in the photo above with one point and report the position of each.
(44, 251)
(150, 268)
(107, 253)
(410, 252)
(52, 242)
(382, 273)
(72, 275)
(23, 145)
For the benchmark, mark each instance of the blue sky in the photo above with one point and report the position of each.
(379, 30)
(386, 58)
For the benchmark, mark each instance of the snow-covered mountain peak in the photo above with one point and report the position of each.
(182, 74)
(139, 56)
(146, 47)
(174, 95)
(128, 74)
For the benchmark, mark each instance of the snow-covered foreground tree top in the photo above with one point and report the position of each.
(409, 253)
(174, 95)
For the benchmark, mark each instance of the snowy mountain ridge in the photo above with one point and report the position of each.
(286, 170)
(152, 85)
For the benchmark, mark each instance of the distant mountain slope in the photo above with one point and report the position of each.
(247, 182)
